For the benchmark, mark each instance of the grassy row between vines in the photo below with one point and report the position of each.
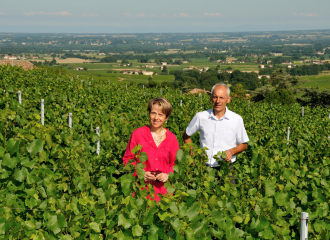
(54, 185)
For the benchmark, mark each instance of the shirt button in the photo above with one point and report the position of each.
(156, 158)
(156, 168)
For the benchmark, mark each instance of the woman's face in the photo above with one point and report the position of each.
(157, 117)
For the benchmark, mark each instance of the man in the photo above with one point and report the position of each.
(220, 129)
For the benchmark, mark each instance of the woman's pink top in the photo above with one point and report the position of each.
(160, 158)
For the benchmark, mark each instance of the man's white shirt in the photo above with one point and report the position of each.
(218, 134)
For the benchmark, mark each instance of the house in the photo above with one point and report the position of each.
(184, 61)
(125, 72)
(269, 61)
(286, 63)
(270, 66)
(261, 66)
(206, 68)
(192, 67)
(229, 71)
(267, 76)
(79, 69)
(149, 66)
(164, 63)
(278, 54)
(147, 73)
(101, 54)
(199, 91)
(289, 66)
(161, 67)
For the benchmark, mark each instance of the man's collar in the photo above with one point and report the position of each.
(211, 115)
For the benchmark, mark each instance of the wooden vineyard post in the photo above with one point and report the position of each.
(181, 103)
(288, 136)
(98, 141)
(19, 97)
(304, 226)
(42, 112)
(70, 120)
(302, 111)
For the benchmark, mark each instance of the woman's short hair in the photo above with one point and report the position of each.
(164, 104)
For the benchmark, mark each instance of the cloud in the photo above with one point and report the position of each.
(127, 15)
(151, 15)
(90, 14)
(3, 13)
(63, 14)
(140, 15)
(305, 14)
(184, 15)
(213, 14)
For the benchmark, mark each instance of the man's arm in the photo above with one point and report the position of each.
(186, 138)
(236, 150)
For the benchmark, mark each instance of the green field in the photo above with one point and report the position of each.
(321, 80)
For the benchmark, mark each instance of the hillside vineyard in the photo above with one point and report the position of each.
(54, 185)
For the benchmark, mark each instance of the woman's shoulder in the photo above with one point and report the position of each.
(170, 134)
(141, 130)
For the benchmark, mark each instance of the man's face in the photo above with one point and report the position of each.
(220, 99)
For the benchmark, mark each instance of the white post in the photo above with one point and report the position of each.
(304, 226)
(288, 135)
(19, 97)
(77, 77)
(180, 92)
(271, 104)
(46, 71)
(249, 103)
(92, 79)
(12, 63)
(42, 112)
(82, 81)
(302, 111)
(71, 78)
(109, 81)
(181, 103)
(89, 83)
(143, 86)
(255, 121)
(70, 120)
(126, 86)
(161, 91)
(144, 93)
(98, 141)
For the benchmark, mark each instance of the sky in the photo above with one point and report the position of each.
(170, 16)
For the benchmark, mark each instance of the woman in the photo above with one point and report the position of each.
(159, 143)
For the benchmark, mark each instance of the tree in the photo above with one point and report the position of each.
(238, 90)
(281, 80)
(85, 68)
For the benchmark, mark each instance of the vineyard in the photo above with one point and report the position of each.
(56, 183)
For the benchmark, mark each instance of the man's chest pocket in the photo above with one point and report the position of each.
(228, 136)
